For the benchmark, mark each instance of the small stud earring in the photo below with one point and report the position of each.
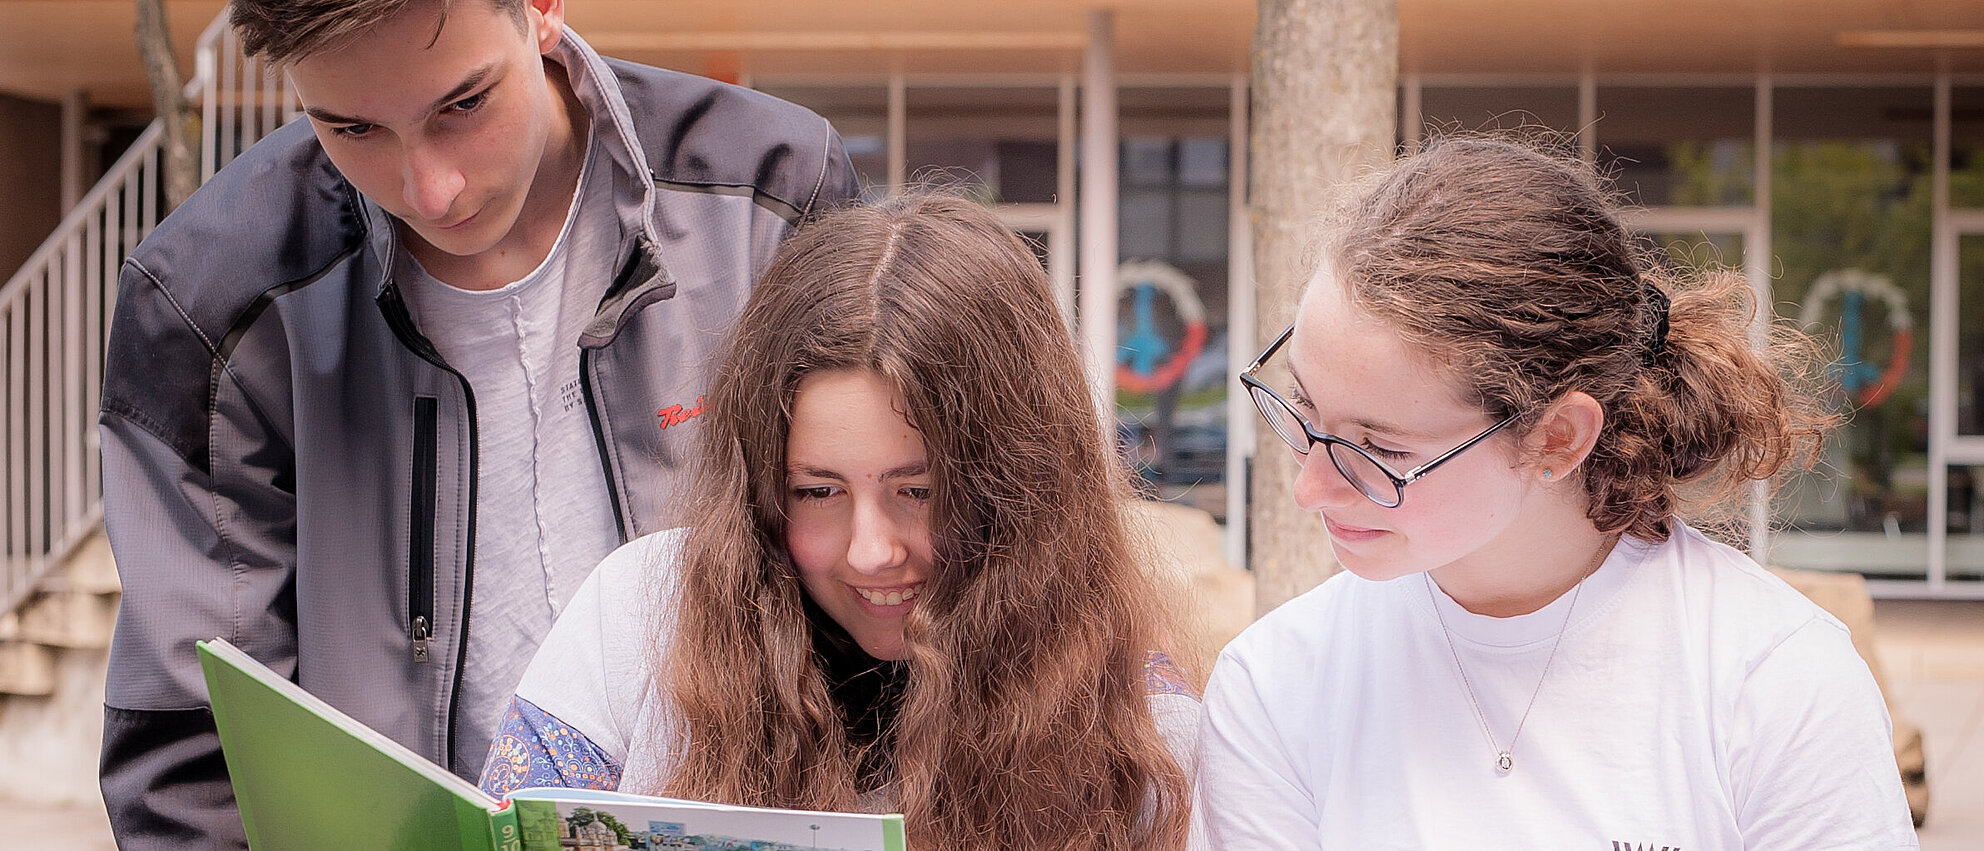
(1547, 474)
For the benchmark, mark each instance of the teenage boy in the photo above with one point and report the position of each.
(383, 392)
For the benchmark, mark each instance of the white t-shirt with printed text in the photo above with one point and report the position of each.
(543, 516)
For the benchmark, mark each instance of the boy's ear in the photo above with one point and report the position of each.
(1565, 434)
(546, 23)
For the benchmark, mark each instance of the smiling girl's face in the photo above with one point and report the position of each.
(1356, 378)
(857, 505)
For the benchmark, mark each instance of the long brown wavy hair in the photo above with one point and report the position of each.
(1508, 265)
(1025, 723)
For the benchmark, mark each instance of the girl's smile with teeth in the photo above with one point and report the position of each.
(888, 596)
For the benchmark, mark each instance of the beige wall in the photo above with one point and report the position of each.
(30, 178)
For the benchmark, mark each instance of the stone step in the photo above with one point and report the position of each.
(89, 569)
(74, 606)
(69, 619)
(26, 668)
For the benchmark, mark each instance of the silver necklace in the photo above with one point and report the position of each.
(1505, 761)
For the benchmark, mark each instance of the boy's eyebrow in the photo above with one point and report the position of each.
(468, 84)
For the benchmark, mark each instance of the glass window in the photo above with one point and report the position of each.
(1172, 375)
(1850, 240)
(860, 113)
(1195, 111)
(1679, 146)
(1702, 250)
(1146, 162)
(1144, 223)
(1970, 334)
(1202, 236)
(1448, 109)
(1964, 559)
(999, 144)
(1037, 241)
(1202, 163)
(1967, 146)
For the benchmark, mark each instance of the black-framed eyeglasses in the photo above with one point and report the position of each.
(1373, 478)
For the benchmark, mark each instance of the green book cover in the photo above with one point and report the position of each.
(309, 777)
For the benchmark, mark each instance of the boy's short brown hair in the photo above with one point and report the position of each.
(284, 31)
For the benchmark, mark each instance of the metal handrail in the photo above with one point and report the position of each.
(55, 316)
(241, 99)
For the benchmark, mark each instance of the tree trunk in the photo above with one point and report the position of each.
(169, 102)
(1324, 107)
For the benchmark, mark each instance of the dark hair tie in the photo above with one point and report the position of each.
(1657, 303)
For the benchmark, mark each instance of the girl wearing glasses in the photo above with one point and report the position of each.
(1499, 406)
(905, 585)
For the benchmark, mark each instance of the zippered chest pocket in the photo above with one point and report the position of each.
(420, 544)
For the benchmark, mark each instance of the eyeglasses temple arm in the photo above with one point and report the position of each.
(1427, 467)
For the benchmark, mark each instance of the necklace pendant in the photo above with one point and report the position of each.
(1505, 763)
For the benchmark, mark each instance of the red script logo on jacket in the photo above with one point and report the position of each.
(677, 415)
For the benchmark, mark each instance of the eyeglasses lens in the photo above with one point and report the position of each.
(1365, 474)
(1283, 419)
(1355, 466)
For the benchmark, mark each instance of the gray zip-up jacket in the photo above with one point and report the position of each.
(289, 464)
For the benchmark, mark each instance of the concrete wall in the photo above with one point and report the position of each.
(30, 178)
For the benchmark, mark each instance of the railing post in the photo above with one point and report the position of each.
(17, 449)
(101, 268)
(37, 424)
(74, 423)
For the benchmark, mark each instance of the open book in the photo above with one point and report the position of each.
(309, 777)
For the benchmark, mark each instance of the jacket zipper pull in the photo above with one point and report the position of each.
(421, 632)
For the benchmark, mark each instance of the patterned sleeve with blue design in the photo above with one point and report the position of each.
(534, 748)
(1163, 676)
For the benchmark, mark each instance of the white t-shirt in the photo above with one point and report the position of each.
(543, 516)
(596, 670)
(1696, 702)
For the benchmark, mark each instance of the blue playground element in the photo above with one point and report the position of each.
(1142, 349)
(1854, 372)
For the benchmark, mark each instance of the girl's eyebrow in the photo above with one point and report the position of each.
(1366, 423)
(906, 471)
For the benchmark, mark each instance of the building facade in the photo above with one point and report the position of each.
(1836, 158)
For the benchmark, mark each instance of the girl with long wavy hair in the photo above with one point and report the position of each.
(1503, 407)
(904, 583)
